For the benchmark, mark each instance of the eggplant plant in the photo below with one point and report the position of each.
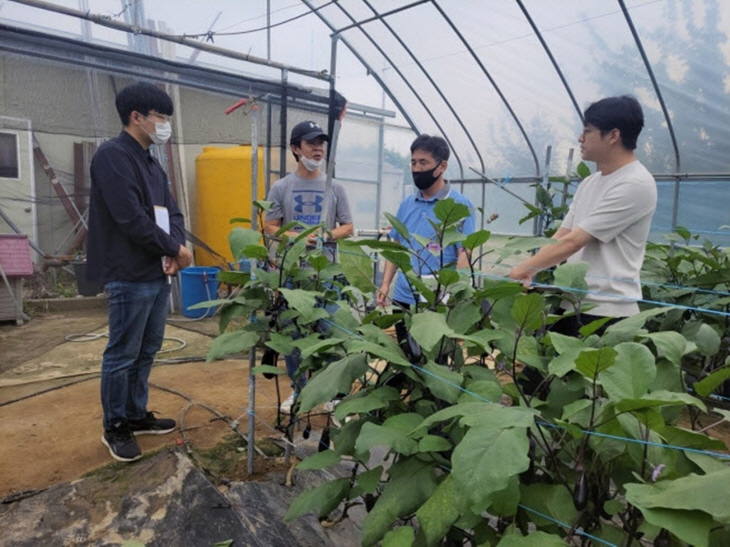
(595, 456)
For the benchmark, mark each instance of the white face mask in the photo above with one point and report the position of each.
(163, 132)
(312, 165)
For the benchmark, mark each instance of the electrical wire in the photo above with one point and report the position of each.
(210, 35)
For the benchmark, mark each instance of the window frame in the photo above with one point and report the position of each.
(17, 153)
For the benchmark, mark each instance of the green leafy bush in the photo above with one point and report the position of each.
(473, 458)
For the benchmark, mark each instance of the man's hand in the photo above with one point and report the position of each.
(382, 295)
(171, 266)
(184, 258)
(522, 274)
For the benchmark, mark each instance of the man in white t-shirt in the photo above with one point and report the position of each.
(609, 219)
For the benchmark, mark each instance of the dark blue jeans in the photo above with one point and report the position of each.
(137, 315)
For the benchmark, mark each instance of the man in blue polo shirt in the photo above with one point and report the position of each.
(429, 160)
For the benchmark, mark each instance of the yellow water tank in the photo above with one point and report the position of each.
(222, 192)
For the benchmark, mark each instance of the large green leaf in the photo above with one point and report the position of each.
(563, 343)
(403, 536)
(378, 435)
(321, 500)
(367, 401)
(528, 311)
(582, 170)
(553, 500)
(281, 344)
(635, 322)
(659, 398)
(405, 422)
(256, 252)
(669, 344)
(344, 438)
(335, 378)
(484, 461)
(449, 211)
(357, 265)
(298, 299)
(632, 373)
(434, 443)
(294, 253)
(691, 439)
(438, 514)
(368, 480)
(707, 385)
(412, 483)
(572, 276)
(399, 258)
(521, 244)
(476, 239)
(428, 327)
(481, 390)
(481, 338)
(319, 346)
(231, 342)
(450, 412)
(320, 460)
(442, 382)
(591, 362)
(399, 227)
(240, 238)
(233, 278)
(565, 362)
(464, 316)
(691, 526)
(505, 502)
(447, 277)
(498, 416)
(704, 336)
(391, 354)
(535, 539)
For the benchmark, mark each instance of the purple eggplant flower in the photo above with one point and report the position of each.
(656, 472)
(434, 246)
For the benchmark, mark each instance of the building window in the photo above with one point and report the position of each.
(9, 156)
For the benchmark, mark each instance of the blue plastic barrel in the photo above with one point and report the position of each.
(198, 284)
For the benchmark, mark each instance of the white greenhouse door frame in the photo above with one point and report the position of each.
(18, 194)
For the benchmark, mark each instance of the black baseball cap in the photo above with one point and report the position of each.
(307, 131)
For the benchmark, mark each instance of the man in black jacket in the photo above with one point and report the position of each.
(136, 239)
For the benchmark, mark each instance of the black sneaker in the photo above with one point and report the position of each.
(149, 425)
(121, 443)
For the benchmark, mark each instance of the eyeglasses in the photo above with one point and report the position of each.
(163, 117)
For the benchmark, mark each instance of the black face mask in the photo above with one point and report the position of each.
(425, 179)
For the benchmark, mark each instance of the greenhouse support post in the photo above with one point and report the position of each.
(254, 226)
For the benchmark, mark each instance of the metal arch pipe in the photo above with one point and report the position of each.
(380, 16)
(494, 84)
(135, 30)
(654, 82)
(360, 58)
(552, 59)
(405, 80)
(433, 83)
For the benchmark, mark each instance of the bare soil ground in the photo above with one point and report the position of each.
(50, 414)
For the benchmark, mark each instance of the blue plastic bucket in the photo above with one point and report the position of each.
(198, 284)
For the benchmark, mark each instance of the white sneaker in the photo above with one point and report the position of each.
(330, 406)
(286, 405)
